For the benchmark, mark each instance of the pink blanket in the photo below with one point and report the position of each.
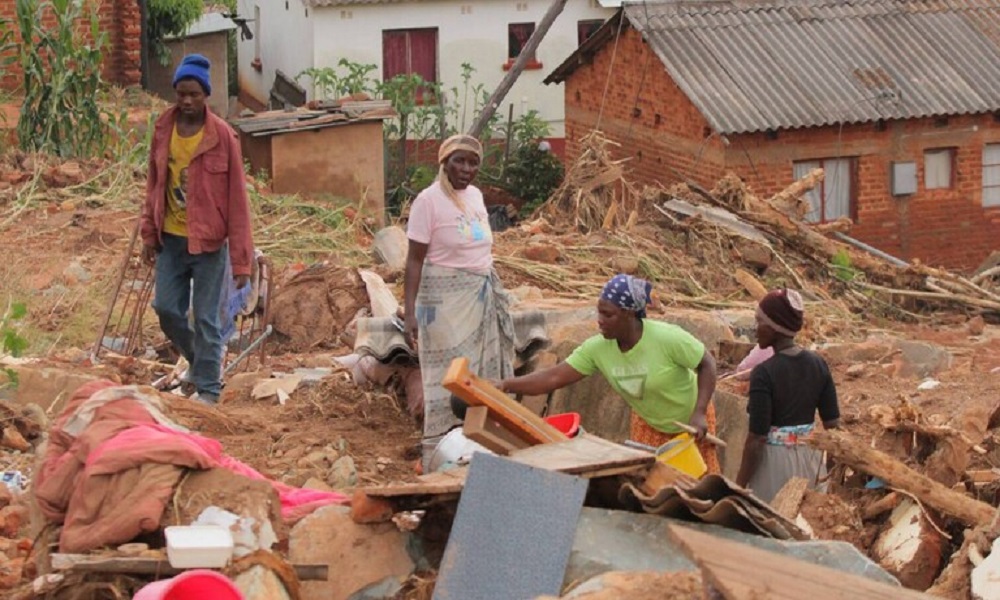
(113, 480)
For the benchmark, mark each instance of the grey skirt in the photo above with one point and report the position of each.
(778, 464)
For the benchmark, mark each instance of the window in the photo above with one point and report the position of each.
(406, 51)
(585, 29)
(938, 168)
(836, 195)
(991, 175)
(517, 37)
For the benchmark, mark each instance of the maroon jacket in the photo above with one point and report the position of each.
(217, 205)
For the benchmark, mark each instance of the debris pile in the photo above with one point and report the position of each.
(716, 248)
(317, 306)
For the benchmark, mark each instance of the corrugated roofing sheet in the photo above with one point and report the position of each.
(760, 65)
(346, 2)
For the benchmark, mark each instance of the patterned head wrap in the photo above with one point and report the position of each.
(459, 142)
(782, 311)
(449, 147)
(629, 293)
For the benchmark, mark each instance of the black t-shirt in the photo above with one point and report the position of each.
(788, 390)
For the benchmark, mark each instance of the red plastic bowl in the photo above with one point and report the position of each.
(568, 423)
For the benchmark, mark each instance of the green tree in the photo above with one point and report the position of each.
(169, 18)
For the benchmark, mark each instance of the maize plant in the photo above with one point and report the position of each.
(61, 66)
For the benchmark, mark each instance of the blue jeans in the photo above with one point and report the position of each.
(176, 271)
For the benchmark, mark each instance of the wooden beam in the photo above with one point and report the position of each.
(788, 500)
(88, 563)
(517, 419)
(861, 457)
(527, 53)
(741, 572)
(480, 428)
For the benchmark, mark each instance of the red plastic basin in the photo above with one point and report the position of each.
(568, 423)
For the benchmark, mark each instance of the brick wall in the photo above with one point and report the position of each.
(658, 128)
(939, 226)
(946, 227)
(121, 19)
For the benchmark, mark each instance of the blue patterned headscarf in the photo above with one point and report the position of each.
(629, 293)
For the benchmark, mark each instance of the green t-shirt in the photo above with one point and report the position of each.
(656, 377)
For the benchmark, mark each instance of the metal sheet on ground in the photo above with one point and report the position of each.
(512, 534)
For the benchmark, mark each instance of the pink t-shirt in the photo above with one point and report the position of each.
(455, 239)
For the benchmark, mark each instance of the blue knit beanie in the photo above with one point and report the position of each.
(194, 66)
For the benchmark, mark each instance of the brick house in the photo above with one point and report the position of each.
(121, 19)
(898, 99)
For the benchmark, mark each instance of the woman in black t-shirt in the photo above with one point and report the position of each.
(786, 392)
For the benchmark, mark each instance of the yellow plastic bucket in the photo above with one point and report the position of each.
(682, 454)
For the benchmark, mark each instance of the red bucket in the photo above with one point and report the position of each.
(568, 423)
(191, 585)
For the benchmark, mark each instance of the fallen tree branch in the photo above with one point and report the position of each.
(859, 456)
(958, 299)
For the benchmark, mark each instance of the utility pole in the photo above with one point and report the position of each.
(526, 54)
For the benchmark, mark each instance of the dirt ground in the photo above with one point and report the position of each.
(332, 416)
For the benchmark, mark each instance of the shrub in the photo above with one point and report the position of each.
(167, 18)
(532, 175)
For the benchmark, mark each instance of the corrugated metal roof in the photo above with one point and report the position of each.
(346, 2)
(759, 65)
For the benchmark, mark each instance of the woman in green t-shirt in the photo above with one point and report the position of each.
(663, 372)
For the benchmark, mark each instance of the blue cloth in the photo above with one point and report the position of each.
(234, 300)
(177, 273)
(630, 293)
(194, 66)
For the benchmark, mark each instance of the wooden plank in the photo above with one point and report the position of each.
(365, 105)
(433, 484)
(520, 421)
(586, 455)
(88, 563)
(303, 127)
(742, 572)
(479, 428)
(583, 454)
(330, 118)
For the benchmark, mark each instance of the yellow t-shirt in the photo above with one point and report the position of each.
(182, 150)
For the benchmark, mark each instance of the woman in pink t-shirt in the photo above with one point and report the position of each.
(454, 302)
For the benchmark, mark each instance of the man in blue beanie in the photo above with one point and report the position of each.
(196, 223)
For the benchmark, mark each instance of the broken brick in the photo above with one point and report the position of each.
(543, 253)
(367, 509)
(12, 518)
